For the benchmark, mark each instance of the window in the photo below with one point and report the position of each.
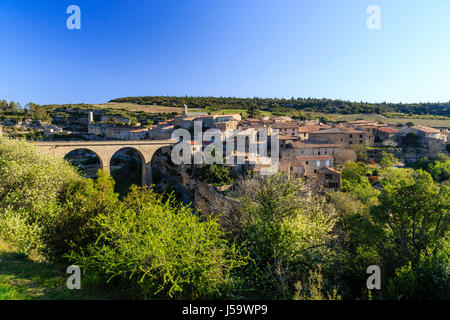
(318, 163)
(327, 163)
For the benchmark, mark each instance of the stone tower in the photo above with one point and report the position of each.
(90, 118)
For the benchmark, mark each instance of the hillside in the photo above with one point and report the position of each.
(285, 105)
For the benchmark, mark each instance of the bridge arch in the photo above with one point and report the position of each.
(106, 149)
(99, 158)
(141, 156)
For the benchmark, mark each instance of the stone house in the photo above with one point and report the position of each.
(297, 148)
(385, 133)
(315, 168)
(288, 129)
(229, 125)
(285, 140)
(313, 164)
(329, 178)
(344, 136)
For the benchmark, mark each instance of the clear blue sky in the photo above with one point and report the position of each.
(241, 48)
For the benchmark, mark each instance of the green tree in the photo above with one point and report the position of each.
(388, 160)
(4, 106)
(253, 111)
(213, 173)
(414, 212)
(286, 230)
(38, 112)
(411, 140)
(355, 181)
(440, 171)
(12, 107)
(428, 280)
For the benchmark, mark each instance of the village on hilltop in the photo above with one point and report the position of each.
(307, 148)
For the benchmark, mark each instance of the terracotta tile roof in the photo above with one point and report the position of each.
(387, 129)
(252, 120)
(285, 137)
(287, 125)
(291, 163)
(340, 130)
(303, 145)
(427, 129)
(310, 128)
(306, 158)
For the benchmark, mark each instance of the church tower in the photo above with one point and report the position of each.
(90, 118)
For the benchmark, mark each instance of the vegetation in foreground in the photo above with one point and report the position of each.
(28, 277)
(285, 241)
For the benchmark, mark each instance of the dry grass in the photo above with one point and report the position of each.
(138, 107)
(393, 121)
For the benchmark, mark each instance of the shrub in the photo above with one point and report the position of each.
(429, 280)
(213, 173)
(159, 250)
(74, 228)
(388, 160)
(286, 230)
(30, 185)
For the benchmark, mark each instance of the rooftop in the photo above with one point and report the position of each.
(339, 130)
(426, 129)
(305, 145)
(388, 129)
(306, 158)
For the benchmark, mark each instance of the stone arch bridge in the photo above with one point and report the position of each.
(105, 150)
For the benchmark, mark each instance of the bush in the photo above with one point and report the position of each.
(286, 230)
(429, 280)
(30, 185)
(74, 228)
(160, 250)
(213, 173)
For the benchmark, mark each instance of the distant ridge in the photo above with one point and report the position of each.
(308, 104)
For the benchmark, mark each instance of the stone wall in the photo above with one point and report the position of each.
(211, 203)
